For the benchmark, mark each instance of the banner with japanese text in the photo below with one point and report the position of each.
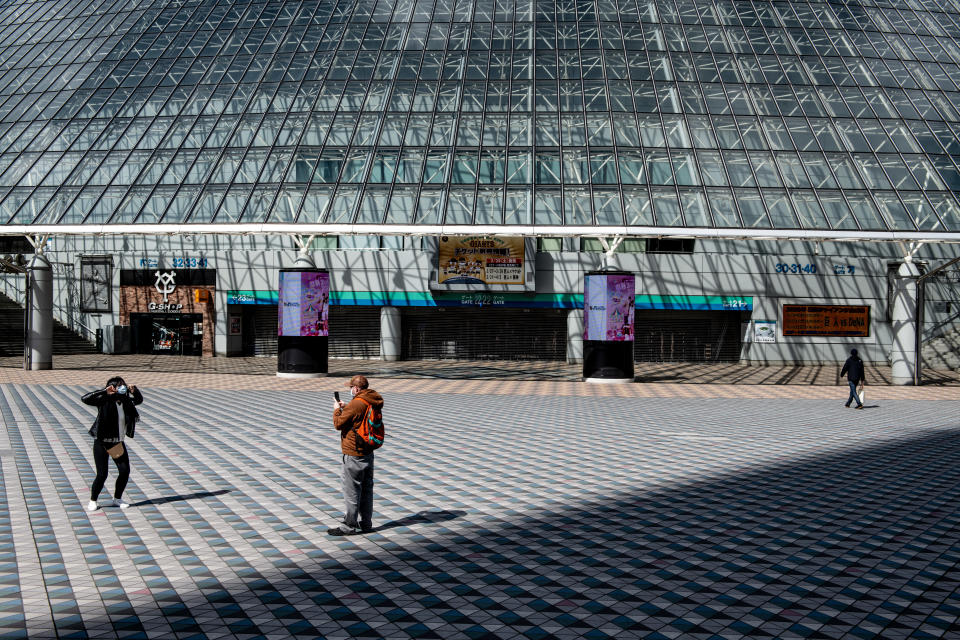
(480, 260)
(826, 320)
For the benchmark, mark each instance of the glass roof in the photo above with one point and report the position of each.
(761, 117)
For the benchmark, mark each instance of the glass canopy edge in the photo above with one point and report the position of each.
(492, 230)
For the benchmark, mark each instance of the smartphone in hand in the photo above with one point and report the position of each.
(336, 396)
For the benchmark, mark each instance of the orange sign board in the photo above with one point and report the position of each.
(826, 320)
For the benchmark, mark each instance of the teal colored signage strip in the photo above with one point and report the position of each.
(253, 297)
(696, 303)
(511, 300)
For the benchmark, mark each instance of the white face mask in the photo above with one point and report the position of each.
(354, 391)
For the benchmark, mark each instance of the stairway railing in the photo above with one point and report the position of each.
(934, 330)
(10, 285)
(939, 294)
(88, 334)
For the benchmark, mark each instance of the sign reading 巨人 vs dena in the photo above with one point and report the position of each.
(826, 320)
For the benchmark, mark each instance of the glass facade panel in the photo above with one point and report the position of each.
(808, 209)
(813, 115)
(517, 207)
(752, 209)
(838, 213)
(780, 210)
(723, 207)
(606, 206)
(577, 209)
(402, 206)
(548, 208)
(666, 208)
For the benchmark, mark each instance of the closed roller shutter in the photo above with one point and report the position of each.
(265, 330)
(354, 332)
(687, 336)
(484, 333)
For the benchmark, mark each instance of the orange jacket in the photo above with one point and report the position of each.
(347, 419)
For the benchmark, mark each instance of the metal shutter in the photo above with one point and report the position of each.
(354, 332)
(484, 333)
(687, 336)
(265, 319)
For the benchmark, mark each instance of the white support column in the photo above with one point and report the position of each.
(304, 245)
(390, 334)
(609, 250)
(575, 336)
(38, 343)
(903, 354)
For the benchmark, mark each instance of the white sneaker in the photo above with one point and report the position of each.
(92, 505)
(118, 502)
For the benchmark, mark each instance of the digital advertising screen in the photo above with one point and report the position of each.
(304, 303)
(608, 307)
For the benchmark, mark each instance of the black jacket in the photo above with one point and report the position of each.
(105, 427)
(853, 368)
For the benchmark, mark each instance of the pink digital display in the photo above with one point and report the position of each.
(608, 307)
(304, 303)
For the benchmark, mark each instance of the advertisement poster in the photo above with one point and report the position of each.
(608, 307)
(764, 331)
(304, 303)
(826, 320)
(480, 260)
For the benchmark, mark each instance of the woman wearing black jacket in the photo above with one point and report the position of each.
(113, 402)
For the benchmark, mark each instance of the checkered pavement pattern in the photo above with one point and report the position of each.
(694, 373)
(502, 510)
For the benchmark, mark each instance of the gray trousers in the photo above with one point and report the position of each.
(357, 476)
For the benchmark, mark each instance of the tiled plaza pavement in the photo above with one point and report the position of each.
(504, 509)
(647, 372)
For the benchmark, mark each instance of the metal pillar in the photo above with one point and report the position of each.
(390, 334)
(575, 336)
(38, 334)
(903, 356)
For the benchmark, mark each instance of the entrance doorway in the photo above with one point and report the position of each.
(167, 334)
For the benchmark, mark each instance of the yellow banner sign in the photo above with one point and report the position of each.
(480, 260)
(826, 320)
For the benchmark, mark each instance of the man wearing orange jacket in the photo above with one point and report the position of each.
(357, 470)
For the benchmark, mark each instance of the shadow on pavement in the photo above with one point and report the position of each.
(189, 496)
(681, 372)
(858, 543)
(673, 378)
(421, 518)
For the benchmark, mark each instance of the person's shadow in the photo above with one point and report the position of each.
(188, 496)
(422, 518)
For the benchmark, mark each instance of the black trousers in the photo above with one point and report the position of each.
(102, 459)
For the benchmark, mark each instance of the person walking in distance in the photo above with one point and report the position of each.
(357, 461)
(853, 369)
(117, 417)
